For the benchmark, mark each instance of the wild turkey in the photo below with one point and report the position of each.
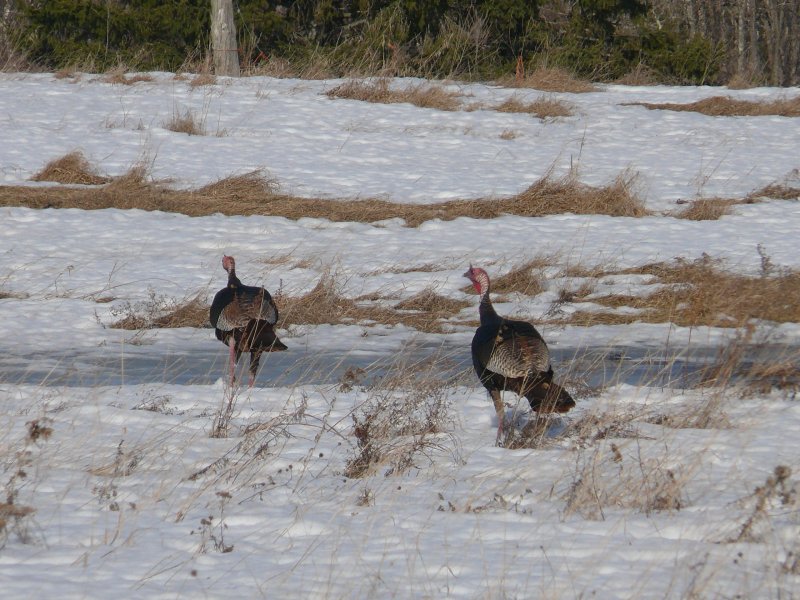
(243, 317)
(512, 355)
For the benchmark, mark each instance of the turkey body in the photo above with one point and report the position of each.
(244, 318)
(512, 355)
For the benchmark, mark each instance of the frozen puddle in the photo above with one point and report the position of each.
(206, 363)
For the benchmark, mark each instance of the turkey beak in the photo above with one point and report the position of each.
(468, 274)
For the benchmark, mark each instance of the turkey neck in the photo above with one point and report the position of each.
(233, 280)
(486, 310)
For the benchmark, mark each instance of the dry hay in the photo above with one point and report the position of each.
(118, 76)
(185, 123)
(550, 196)
(777, 192)
(724, 106)
(423, 95)
(70, 169)
(247, 185)
(641, 74)
(325, 304)
(249, 194)
(526, 278)
(203, 79)
(543, 108)
(162, 313)
(700, 292)
(550, 80)
(706, 209)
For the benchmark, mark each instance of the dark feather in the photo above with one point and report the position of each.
(512, 355)
(245, 315)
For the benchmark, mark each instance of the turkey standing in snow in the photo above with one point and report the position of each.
(512, 355)
(243, 317)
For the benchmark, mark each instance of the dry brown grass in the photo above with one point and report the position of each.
(244, 186)
(159, 312)
(550, 196)
(724, 106)
(119, 76)
(706, 209)
(710, 209)
(325, 304)
(701, 292)
(70, 169)
(423, 95)
(203, 79)
(185, 123)
(247, 195)
(527, 278)
(550, 80)
(735, 363)
(403, 418)
(543, 108)
(611, 475)
(777, 191)
(640, 75)
(429, 301)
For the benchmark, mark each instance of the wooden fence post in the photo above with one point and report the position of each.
(223, 39)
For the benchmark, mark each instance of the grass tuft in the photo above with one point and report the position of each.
(701, 292)
(550, 80)
(526, 278)
(724, 106)
(543, 108)
(185, 123)
(401, 420)
(423, 95)
(70, 169)
(159, 312)
(707, 209)
(251, 194)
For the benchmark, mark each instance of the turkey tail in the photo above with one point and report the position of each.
(546, 396)
(260, 336)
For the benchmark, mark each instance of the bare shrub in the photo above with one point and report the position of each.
(777, 488)
(707, 414)
(737, 362)
(401, 420)
(724, 106)
(15, 516)
(72, 168)
(608, 477)
(543, 108)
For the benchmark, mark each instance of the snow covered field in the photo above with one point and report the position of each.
(106, 433)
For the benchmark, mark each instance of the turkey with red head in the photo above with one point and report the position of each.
(512, 355)
(244, 318)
